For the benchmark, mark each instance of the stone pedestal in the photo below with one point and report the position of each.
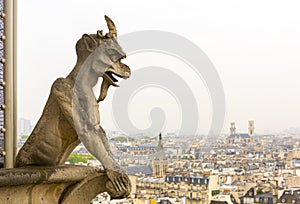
(61, 184)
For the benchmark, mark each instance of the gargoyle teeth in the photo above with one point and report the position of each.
(109, 76)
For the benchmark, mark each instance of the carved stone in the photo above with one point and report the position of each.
(71, 116)
(62, 184)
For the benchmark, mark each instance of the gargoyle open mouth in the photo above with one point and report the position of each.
(120, 70)
(110, 76)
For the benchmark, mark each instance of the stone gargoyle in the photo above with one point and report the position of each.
(71, 114)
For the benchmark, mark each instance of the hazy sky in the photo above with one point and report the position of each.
(254, 46)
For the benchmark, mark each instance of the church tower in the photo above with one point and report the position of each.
(251, 130)
(232, 128)
(160, 162)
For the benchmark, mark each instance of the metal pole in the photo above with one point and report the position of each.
(15, 86)
(8, 88)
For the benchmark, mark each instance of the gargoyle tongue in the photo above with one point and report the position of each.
(103, 91)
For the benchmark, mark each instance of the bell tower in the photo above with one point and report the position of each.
(232, 128)
(251, 130)
(160, 162)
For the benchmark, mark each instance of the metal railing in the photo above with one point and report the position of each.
(1, 85)
(8, 80)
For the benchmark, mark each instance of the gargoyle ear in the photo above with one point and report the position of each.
(89, 42)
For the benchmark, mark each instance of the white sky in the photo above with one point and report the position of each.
(254, 45)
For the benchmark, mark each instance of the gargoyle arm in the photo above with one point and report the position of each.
(63, 93)
(86, 123)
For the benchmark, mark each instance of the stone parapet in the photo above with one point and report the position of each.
(60, 184)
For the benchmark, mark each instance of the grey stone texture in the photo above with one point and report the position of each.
(70, 116)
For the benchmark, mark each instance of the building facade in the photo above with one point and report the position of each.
(241, 138)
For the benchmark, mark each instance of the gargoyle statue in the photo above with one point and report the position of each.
(71, 113)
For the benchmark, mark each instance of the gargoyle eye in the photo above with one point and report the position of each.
(114, 55)
(111, 52)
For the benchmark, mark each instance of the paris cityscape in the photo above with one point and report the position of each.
(237, 167)
(149, 102)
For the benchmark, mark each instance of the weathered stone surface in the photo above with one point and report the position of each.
(36, 175)
(62, 184)
(71, 116)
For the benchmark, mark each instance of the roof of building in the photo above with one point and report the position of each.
(188, 178)
(250, 193)
(290, 196)
(139, 169)
(151, 180)
(239, 135)
(264, 195)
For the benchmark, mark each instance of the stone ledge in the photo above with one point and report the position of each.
(61, 184)
(37, 175)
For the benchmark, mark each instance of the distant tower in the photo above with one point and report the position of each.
(24, 127)
(251, 130)
(160, 145)
(232, 128)
(160, 162)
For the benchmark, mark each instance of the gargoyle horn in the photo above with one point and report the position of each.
(100, 33)
(111, 26)
(100, 36)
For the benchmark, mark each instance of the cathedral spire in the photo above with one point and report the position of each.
(160, 154)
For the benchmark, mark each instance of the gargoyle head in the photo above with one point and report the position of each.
(106, 55)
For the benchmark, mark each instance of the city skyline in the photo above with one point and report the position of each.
(253, 46)
(25, 127)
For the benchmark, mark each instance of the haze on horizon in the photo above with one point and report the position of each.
(254, 46)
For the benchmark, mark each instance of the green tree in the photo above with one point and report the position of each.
(75, 158)
(24, 137)
(259, 191)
